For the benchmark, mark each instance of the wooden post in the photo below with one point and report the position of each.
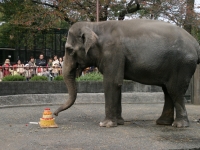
(195, 92)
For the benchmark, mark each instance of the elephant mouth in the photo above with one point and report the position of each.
(79, 70)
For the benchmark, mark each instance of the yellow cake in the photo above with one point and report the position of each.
(47, 119)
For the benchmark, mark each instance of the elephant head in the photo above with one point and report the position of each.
(81, 38)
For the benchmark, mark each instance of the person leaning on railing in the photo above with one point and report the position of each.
(40, 63)
(61, 65)
(55, 70)
(55, 65)
(20, 68)
(27, 72)
(32, 66)
(6, 67)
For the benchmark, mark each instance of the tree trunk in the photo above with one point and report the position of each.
(189, 16)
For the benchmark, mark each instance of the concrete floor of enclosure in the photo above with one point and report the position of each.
(79, 129)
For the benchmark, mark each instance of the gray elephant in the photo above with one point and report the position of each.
(145, 51)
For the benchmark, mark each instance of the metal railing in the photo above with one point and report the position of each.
(30, 71)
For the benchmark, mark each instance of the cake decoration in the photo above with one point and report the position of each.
(47, 120)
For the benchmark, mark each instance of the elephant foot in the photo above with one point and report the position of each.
(164, 121)
(181, 123)
(108, 123)
(111, 123)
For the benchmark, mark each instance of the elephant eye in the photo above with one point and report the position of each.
(69, 50)
(83, 38)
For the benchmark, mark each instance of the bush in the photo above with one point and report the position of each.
(58, 78)
(93, 76)
(39, 78)
(14, 78)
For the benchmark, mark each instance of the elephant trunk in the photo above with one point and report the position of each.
(69, 78)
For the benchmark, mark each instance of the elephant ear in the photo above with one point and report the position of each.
(89, 38)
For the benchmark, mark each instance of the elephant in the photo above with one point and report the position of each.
(146, 51)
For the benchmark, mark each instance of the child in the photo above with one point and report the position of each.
(13, 70)
(55, 69)
(20, 68)
(1, 74)
(6, 67)
(32, 66)
(47, 74)
(6, 71)
(49, 65)
(27, 72)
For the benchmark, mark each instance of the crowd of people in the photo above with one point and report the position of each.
(34, 67)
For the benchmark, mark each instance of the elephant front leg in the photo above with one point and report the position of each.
(113, 108)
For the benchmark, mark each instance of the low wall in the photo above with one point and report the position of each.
(42, 93)
(15, 88)
(22, 87)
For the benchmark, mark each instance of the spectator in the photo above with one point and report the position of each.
(32, 66)
(6, 66)
(47, 74)
(27, 72)
(55, 65)
(86, 70)
(40, 63)
(91, 69)
(13, 70)
(7, 61)
(61, 62)
(55, 69)
(20, 68)
(1, 73)
(6, 71)
(50, 66)
(55, 60)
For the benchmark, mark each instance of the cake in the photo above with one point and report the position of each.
(47, 119)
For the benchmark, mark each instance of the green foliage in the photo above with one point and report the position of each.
(24, 21)
(196, 33)
(93, 76)
(39, 78)
(58, 78)
(14, 78)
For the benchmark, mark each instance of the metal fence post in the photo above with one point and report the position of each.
(195, 92)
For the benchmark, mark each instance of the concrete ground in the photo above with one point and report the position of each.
(79, 129)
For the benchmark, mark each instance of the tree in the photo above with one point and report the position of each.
(190, 15)
(35, 16)
(45, 14)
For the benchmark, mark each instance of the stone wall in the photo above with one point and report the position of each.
(16, 88)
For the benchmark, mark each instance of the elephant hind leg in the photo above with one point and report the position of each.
(181, 119)
(176, 92)
(167, 116)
